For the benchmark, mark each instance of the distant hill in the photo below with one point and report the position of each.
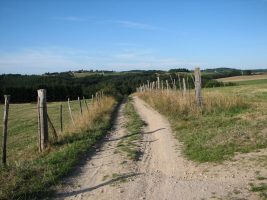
(233, 70)
(223, 72)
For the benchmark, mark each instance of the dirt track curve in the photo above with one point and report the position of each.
(161, 174)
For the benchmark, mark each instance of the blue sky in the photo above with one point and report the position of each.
(38, 36)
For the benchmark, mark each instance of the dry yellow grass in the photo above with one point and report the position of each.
(87, 120)
(29, 177)
(173, 102)
(232, 119)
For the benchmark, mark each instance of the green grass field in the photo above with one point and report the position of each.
(23, 128)
(252, 82)
(29, 174)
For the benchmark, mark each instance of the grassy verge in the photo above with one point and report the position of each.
(31, 176)
(231, 120)
(128, 145)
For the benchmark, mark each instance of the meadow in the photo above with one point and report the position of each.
(30, 174)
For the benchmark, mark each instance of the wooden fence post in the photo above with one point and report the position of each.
(180, 84)
(5, 123)
(96, 96)
(171, 82)
(39, 126)
(174, 84)
(167, 85)
(43, 119)
(70, 111)
(86, 104)
(158, 82)
(187, 83)
(61, 117)
(198, 86)
(80, 103)
(184, 87)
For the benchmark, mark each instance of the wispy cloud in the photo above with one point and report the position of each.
(122, 23)
(134, 25)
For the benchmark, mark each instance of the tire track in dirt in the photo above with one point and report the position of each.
(162, 173)
(101, 175)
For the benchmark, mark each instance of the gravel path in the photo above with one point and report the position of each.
(162, 173)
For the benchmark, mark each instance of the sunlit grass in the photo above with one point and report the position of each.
(29, 174)
(231, 120)
(23, 127)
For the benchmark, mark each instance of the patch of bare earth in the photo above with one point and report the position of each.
(162, 172)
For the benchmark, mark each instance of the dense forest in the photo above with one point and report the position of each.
(60, 86)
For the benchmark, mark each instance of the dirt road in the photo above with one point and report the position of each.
(162, 172)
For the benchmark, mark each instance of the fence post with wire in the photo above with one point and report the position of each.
(42, 107)
(5, 128)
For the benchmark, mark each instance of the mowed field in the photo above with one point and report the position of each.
(244, 78)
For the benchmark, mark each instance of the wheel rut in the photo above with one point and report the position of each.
(162, 173)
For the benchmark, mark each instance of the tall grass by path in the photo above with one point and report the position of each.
(32, 176)
(227, 123)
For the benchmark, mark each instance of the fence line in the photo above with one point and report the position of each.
(183, 85)
(43, 125)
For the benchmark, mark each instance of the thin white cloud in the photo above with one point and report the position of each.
(122, 23)
(134, 25)
(134, 53)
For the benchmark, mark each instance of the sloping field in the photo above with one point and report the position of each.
(243, 78)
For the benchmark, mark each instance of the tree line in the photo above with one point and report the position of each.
(60, 86)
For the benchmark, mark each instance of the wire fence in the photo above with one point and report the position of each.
(23, 130)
